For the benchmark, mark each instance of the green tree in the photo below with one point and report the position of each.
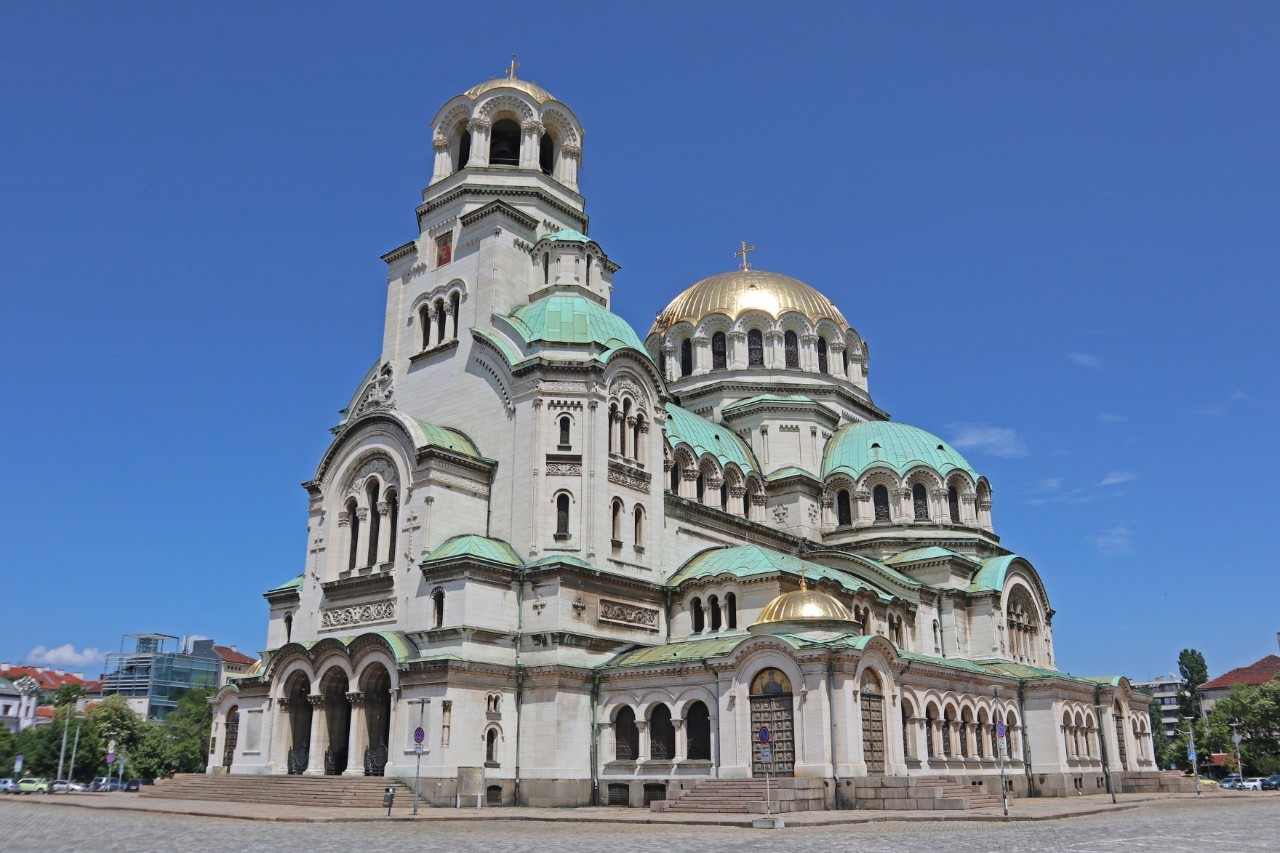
(1194, 672)
(1256, 711)
(155, 756)
(189, 723)
(68, 694)
(8, 750)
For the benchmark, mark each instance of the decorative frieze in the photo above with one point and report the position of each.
(628, 614)
(564, 469)
(358, 614)
(629, 478)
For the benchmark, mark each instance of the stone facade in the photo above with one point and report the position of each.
(541, 540)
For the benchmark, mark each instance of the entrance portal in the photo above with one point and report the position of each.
(229, 738)
(337, 719)
(376, 684)
(295, 702)
(771, 705)
(872, 724)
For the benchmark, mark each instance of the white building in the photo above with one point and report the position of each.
(545, 539)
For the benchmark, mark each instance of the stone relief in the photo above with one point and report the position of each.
(375, 466)
(358, 614)
(628, 614)
(378, 394)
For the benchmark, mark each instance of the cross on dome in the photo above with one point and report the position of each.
(744, 254)
(511, 71)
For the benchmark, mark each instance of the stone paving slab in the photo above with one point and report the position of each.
(1038, 809)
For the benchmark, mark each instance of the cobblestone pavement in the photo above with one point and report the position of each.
(1218, 824)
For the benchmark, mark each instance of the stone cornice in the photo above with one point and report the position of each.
(499, 208)
(357, 585)
(401, 252)
(467, 190)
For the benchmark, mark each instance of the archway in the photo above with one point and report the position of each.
(376, 686)
(772, 706)
(337, 718)
(872, 700)
(230, 735)
(296, 702)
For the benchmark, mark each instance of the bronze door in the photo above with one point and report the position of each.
(229, 748)
(1124, 755)
(774, 711)
(873, 733)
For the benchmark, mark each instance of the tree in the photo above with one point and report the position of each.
(1256, 711)
(8, 750)
(1194, 672)
(68, 694)
(189, 723)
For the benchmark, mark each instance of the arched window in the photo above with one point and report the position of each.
(822, 355)
(393, 523)
(546, 267)
(686, 357)
(546, 154)
(375, 522)
(454, 301)
(698, 617)
(562, 517)
(639, 525)
(731, 610)
(617, 523)
(930, 719)
(844, 361)
(746, 504)
(675, 479)
(613, 428)
(288, 627)
(437, 607)
(953, 504)
(491, 748)
(844, 512)
(626, 736)
(713, 604)
(464, 149)
(755, 348)
(697, 720)
(920, 501)
(637, 430)
(948, 722)
(719, 355)
(700, 486)
(353, 526)
(441, 319)
(662, 734)
(622, 427)
(565, 423)
(909, 745)
(424, 320)
(504, 143)
(587, 269)
(724, 496)
(791, 346)
(880, 502)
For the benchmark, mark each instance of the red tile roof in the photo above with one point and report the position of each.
(50, 679)
(230, 655)
(1258, 672)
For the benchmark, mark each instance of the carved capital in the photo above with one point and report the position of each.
(318, 700)
(440, 143)
(477, 124)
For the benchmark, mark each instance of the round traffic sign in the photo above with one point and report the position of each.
(764, 734)
(1000, 729)
(419, 735)
(111, 758)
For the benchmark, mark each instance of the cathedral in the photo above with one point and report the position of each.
(596, 568)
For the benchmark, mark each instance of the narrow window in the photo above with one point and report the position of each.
(639, 527)
(626, 736)
(623, 427)
(791, 345)
(453, 303)
(564, 433)
(953, 504)
(617, 522)
(719, 357)
(700, 487)
(695, 610)
(441, 319)
(880, 502)
(920, 502)
(491, 747)
(755, 348)
(636, 431)
(504, 143)
(437, 607)
(844, 513)
(562, 516)
(675, 479)
(588, 270)
(662, 734)
(353, 522)
(464, 149)
(724, 497)
(546, 267)
(375, 522)
(393, 522)
(731, 610)
(844, 361)
(546, 154)
(288, 627)
(613, 428)
(686, 357)
(713, 604)
(424, 320)
(822, 355)
(698, 724)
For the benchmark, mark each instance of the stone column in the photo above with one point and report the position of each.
(479, 128)
(689, 477)
(357, 740)
(569, 156)
(384, 538)
(608, 743)
(682, 739)
(774, 357)
(737, 346)
(315, 756)
(362, 544)
(642, 727)
(443, 165)
(669, 350)
(531, 135)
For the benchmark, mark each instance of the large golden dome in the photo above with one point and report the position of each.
(735, 293)
(802, 609)
(533, 90)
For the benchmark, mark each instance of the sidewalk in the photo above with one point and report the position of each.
(1019, 810)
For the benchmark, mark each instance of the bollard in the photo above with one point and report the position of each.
(388, 798)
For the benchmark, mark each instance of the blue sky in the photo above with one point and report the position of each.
(1055, 224)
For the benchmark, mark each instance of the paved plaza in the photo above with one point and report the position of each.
(1215, 823)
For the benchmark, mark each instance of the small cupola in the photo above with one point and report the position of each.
(805, 611)
(570, 260)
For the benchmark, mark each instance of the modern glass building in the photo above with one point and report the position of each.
(156, 672)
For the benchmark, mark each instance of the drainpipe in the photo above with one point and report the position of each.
(831, 705)
(520, 576)
(716, 676)
(1026, 744)
(595, 738)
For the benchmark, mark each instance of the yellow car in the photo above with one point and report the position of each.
(32, 786)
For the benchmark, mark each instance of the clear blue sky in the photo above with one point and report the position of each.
(1055, 223)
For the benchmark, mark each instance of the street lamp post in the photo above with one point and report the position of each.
(1104, 713)
(1191, 752)
(74, 746)
(63, 752)
(1001, 748)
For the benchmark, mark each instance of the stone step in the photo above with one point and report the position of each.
(324, 791)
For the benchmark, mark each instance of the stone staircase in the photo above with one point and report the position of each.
(947, 794)
(338, 792)
(743, 796)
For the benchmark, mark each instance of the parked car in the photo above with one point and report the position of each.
(32, 786)
(8, 786)
(111, 785)
(98, 782)
(1253, 783)
(1230, 781)
(134, 785)
(1271, 783)
(60, 786)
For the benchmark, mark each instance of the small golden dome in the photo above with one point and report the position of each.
(805, 608)
(735, 293)
(533, 90)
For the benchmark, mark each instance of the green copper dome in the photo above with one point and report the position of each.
(569, 319)
(857, 447)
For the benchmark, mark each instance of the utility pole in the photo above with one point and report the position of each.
(1191, 752)
(1236, 738)
(74, 747)
(65, 725)
(1001, 748)
(1104, 713)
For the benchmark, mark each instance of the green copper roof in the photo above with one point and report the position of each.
(479, 547)
(789, 471)
(950, 663)
(745, 561)
(566, 559)
(450, 439)
(706, 436)
(296, 583)
(679, 652)
(857, 447)
(510, 353)
(992, 574)
(933, 552)
(568, 234)
(564, 318)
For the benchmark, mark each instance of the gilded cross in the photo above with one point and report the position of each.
(744, 254)
(511, 72)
